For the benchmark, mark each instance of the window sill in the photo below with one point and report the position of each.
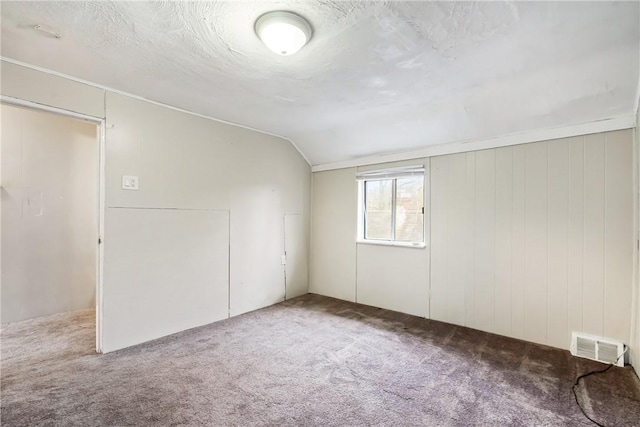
(387, 243)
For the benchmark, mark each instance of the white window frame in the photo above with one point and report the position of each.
(387, 174)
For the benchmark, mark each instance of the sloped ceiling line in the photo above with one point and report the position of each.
(96, 85)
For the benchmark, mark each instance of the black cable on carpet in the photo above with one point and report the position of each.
(602, 371)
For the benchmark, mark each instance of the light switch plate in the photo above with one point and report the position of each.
(129, 182)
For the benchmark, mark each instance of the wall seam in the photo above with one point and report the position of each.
(229, 267)
(310, 230)
(546, 337)
(525, 287)
(495, 241)
(475, 232)
(568, 217)
(604, 235)
(584, 224)
(355, 295)
(511, 249)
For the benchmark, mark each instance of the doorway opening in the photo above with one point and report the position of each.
(51, 221)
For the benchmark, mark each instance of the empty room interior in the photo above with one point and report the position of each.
(320, 213)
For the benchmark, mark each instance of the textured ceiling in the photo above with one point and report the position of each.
(377, 77)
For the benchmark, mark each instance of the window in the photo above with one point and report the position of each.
(392, 206)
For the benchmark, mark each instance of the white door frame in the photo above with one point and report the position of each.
(100, 122)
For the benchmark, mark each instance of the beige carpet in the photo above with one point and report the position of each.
(309, 361)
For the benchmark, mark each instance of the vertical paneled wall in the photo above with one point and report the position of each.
(392, 277)
(535, 241)
(634, 351)
(333, 234)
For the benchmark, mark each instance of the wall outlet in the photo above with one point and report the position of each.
(129, 182)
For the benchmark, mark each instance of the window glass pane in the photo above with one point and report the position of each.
(378, 209)
(409, 203)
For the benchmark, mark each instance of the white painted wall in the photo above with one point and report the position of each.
(25, 83)
(166, 270)
(530, 241)
(204, 234)
(333, 234)
(49, 213)
(634, 353)
(536, 241)
(297, 255)
(394, 278)
(189, 164)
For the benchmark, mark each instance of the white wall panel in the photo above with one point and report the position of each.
(257, 246)
(455, 236)
(333, 234)
(519, 227)
(47, 89)
(503, 240)
(440, 273)
(469, 226)
(575, 264)
(166, 270)
(558, 215)
(618, 242)
(182, 161)
(394, 278)
(449, 285)
(484, 240)
(296, 251)
(536, 233)
(634, 350)
(593, 279)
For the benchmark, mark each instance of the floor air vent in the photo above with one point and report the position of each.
(594, 348)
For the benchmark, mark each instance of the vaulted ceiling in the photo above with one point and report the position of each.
(376, 77)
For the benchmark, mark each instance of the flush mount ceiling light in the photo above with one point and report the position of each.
(283, 32)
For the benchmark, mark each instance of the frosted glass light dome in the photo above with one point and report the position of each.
(284, 33)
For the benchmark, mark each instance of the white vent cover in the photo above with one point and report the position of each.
(595, 348)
